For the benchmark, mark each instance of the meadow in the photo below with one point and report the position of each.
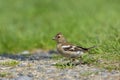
(31, 24)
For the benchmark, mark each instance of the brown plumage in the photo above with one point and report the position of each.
(67, 49)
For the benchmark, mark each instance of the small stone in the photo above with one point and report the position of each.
(40, 69)
(23, 78)
(21, 65)
(20, 74)
(49, 71)
(104, 74)
(4, 79)
(65, 78)
(42, 78)
(30, 75)
(25, 52)
(12, 79)
(62, 74)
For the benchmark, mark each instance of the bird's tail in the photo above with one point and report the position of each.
(87, 49)
(91, 47)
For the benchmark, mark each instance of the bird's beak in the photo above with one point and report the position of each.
(53, 38)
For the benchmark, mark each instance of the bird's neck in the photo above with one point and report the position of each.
(63, 42)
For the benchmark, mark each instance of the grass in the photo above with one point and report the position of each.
(28, 24)
(3, 74)
(64, 65)
(9, 63)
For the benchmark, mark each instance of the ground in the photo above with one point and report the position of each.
(42, 66)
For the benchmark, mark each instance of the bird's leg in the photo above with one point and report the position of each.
(80, 60)
(73, 61)
(70, 62)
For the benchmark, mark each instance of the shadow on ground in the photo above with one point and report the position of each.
(29, 56)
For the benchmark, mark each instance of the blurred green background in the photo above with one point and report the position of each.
(31, 24)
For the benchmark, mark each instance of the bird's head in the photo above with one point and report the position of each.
(59, 38)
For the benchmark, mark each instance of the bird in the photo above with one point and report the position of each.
(67, 49)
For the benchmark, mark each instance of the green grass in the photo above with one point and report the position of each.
(31, 24)
(3, 74)
(64, 65)
(9, 63)
(97, 60)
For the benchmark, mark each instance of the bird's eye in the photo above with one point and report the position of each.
(58, 37)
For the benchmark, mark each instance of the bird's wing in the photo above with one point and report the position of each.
(72, 48)
(86, 49)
